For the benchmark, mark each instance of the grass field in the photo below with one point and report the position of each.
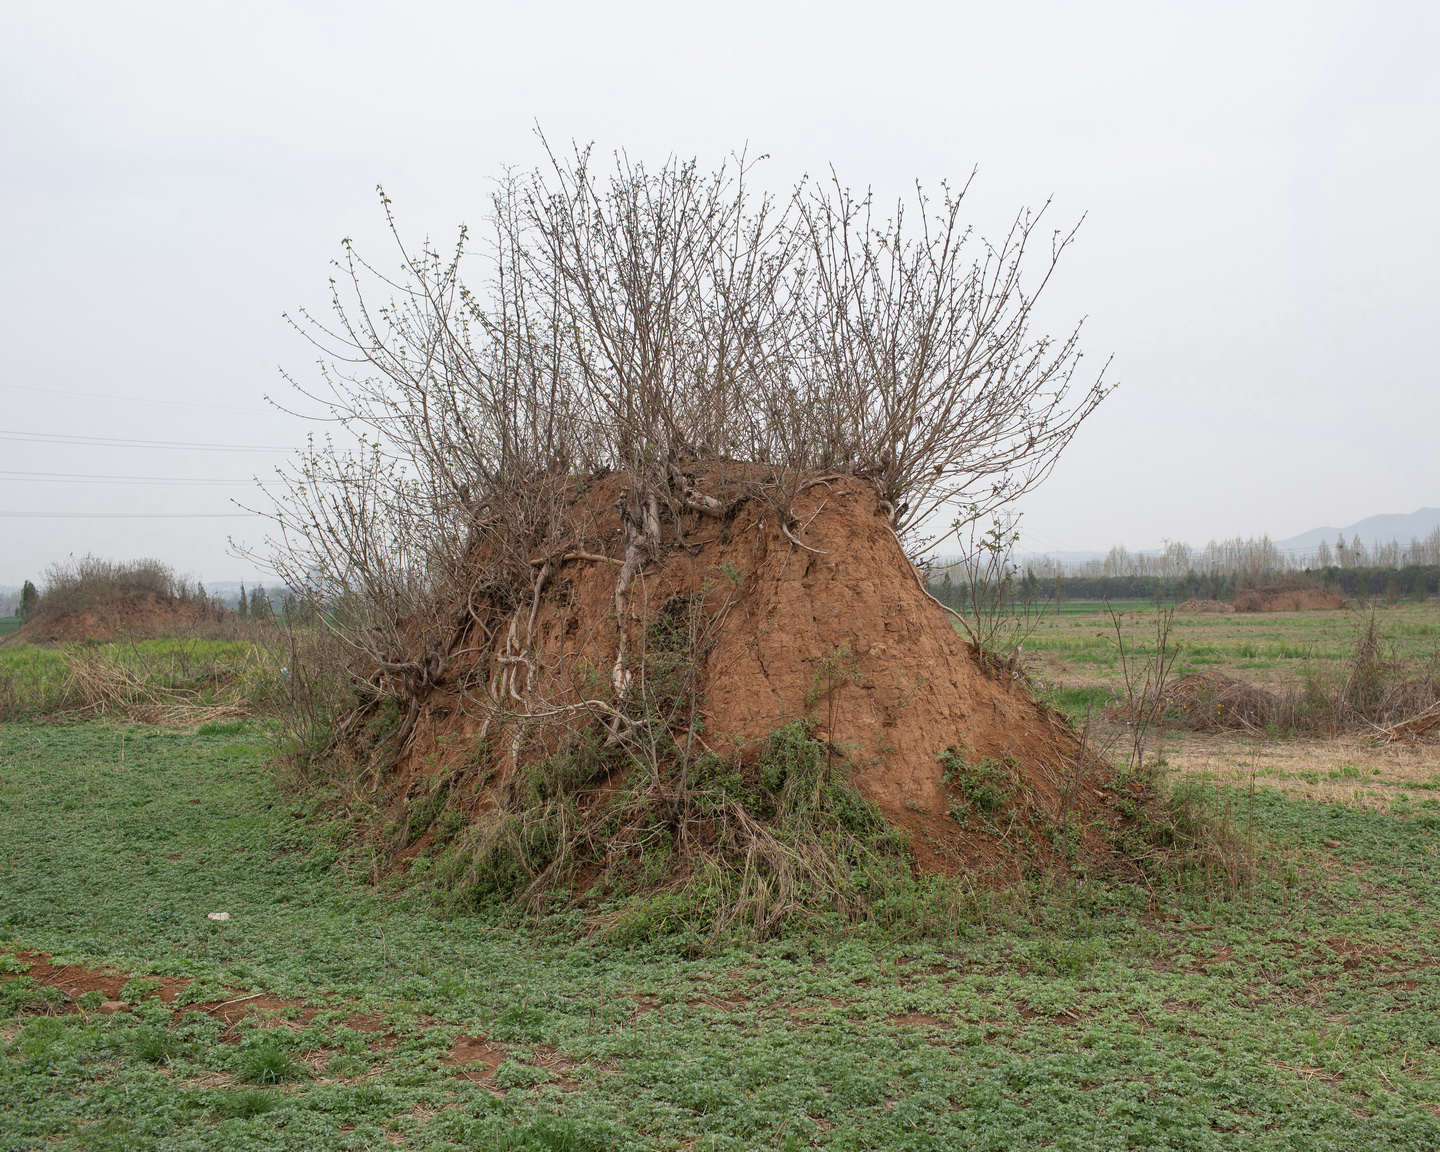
(1075, 654)
(9, 624)
(331, 1013)
(1300, 1014)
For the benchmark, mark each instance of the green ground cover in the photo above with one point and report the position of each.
(1301, 1014)
(9, 624)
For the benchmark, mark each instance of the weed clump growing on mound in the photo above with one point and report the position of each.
(984, 785)
(716, 844)
(1177, 837)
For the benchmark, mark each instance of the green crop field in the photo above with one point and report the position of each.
(1075, 654)
(1301, 1013)
(9, 624)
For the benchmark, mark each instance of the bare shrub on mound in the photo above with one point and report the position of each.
(997, 616)
(655, 357)
(93, 599)
(91, 581)
(638, 323)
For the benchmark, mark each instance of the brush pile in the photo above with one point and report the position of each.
(1193, 605)
(1212, 701)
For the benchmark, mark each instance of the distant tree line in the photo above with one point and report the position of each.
(1249, 558)
(1411, 582)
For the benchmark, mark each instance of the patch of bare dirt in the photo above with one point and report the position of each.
(475, 1058)
(76, 980)
(289, 1013)
(1194, 605)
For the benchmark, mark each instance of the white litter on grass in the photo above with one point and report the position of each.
(218, 916)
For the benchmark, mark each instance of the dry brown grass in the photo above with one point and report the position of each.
(101, 684)
(1348, 769)
(175, 681)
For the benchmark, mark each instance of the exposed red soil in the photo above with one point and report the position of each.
(238, 1008)
(371, 1025)
(840, 633)
(475, 1057)
(1286, 600)
(75, 980)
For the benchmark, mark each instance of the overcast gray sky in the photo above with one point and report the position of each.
(1260, 254)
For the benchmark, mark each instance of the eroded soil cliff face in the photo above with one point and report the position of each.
(825, 623)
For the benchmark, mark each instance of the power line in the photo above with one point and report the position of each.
(128, 442)
(96, 478)
(127, 515)
(124, 399)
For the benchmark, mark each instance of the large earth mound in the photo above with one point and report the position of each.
(128, 613)
(826, 624)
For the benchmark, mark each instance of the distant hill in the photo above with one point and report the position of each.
(1372, 530)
